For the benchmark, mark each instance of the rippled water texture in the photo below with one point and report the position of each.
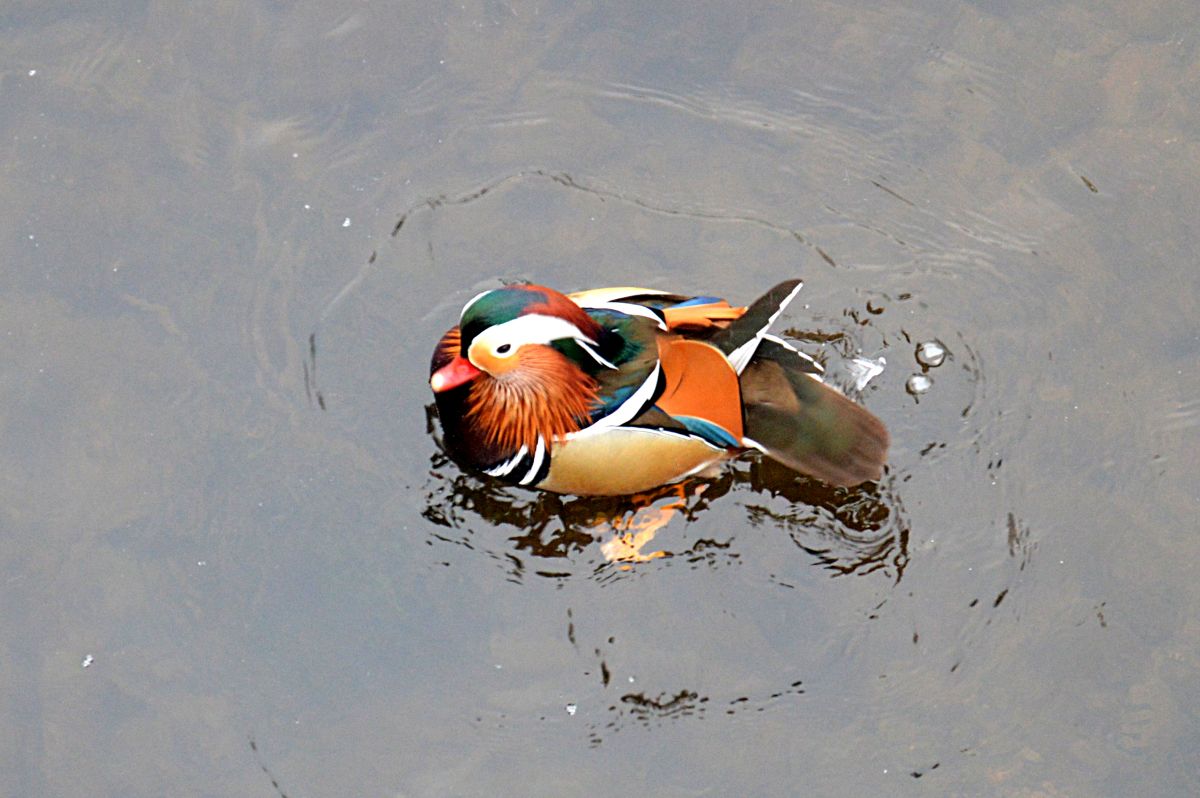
(235, 561)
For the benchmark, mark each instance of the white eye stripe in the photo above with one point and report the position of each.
(625, 412)
(534, 328)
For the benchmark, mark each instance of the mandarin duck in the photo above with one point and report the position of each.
(616, 391)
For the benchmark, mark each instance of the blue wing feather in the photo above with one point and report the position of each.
(708, 431)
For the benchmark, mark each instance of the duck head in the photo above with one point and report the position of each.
(523, 356)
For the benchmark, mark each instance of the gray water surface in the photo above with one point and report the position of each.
(233, 560)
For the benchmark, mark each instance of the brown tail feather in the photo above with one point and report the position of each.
(808, 426)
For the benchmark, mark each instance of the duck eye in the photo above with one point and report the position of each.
(503, 349)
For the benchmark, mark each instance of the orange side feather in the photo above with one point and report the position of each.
(717, 314)
(700, 383)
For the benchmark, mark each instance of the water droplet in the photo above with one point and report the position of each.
(918, 384)
(346, 223)
(87, 661)
(931, 354)
(863, 370)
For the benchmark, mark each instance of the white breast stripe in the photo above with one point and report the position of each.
(586, 347)
(628, 410)
(538, 454)
(741, 356)
(505, 468)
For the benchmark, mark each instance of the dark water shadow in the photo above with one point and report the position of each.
(860, 530)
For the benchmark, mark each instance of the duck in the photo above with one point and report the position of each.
(618, 391)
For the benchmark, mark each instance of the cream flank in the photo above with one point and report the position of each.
(648, 458)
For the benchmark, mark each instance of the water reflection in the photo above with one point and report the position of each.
(649, 711)
(860, 530)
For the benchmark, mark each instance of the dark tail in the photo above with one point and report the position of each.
(806, 425)
(740, 340)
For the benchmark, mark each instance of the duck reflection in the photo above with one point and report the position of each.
(858, 530)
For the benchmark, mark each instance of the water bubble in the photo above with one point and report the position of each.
(87, 661)
(931, 354)
(918, 384)
(571, 709)
(863, 370)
